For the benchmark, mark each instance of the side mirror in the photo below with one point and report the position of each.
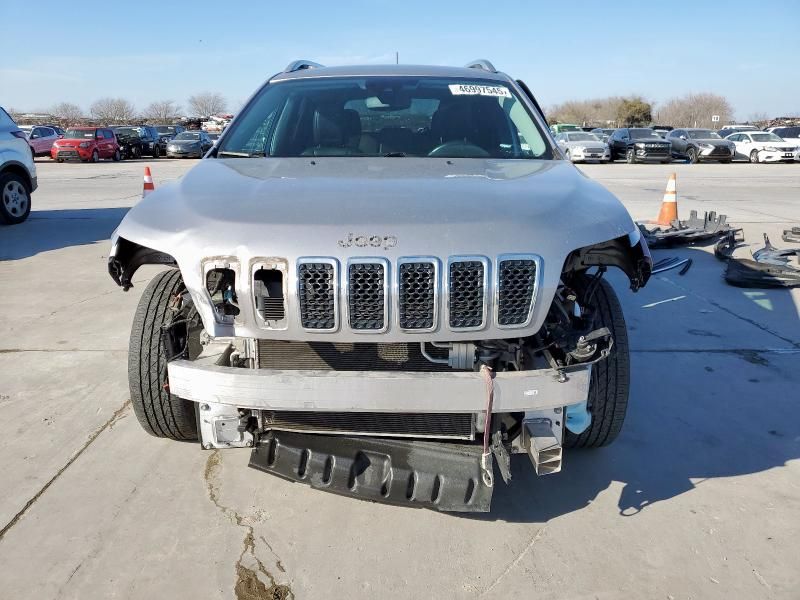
(683, 137)
(34, 136)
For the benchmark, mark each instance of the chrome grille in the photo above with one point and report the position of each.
(317, 294)
(516, 282)
(366, 300)
(595, 150)
(417, 294)
(466, 294)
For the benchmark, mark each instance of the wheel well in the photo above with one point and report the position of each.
(127, 257)
(631, 256)
(19, 170)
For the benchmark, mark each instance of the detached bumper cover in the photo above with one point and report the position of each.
(443, 476)
(373, 391)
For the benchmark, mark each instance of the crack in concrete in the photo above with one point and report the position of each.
(516, 561)
(248, 585)
(118, 414)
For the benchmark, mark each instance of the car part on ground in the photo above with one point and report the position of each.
(318, 337)
(791, 235)
(673, 262)
(769, 267)
(684, 233)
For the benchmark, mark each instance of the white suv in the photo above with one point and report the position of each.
(17, 172)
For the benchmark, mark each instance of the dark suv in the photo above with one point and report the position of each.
(700, 144)
(136, 141)
(639, 144)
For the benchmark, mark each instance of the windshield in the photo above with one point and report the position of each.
(765, 137)
(166, 129)
(703, 134)
(76, 134)
(790, 132)
(638, 134)
(386, 116)
(581, 137)
(128, 131)
(188, 135)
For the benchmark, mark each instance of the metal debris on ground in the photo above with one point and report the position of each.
(792, 235)
(769, 267)
(692, 231)
(673, 262)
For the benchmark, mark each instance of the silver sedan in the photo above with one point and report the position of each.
(580, 146)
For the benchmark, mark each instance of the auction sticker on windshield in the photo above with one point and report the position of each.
(465, 89)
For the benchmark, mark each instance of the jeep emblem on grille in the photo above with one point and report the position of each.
(364, 241)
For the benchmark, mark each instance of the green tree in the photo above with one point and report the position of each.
(634, 112)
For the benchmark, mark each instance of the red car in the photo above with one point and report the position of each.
(86, 144)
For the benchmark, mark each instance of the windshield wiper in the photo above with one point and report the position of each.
(239, 154)
(395, 154)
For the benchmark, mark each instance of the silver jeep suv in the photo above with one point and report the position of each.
(17, 172)
(385, 281)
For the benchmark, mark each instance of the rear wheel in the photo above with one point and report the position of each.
(610, 379)
(160, 413)
(95, 156)
(117, 156)
(157, 152)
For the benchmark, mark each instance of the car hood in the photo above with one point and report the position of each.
(712, 141)
(588, 144)
(184, 142)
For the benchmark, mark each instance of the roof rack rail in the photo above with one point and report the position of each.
(299, 65)
(483, 64)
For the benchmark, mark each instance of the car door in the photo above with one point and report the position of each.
(621, 143)
(205, 142)
(37, 141)
(678, 138)
(739, 140)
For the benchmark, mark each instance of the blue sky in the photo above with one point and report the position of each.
(144, 51)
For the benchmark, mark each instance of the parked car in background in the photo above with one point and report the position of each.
(789, 134)
(564, 127)
(602, 134)
(189, 144)
(579, 146)
(639, 144)
(41, 140)
(729, 129)
(700, 144)
(136, 141)
(88, 144)
(58, 129)
(167, 132)
(762, 146)
(214, 137)
(662, 130)
(17, 172)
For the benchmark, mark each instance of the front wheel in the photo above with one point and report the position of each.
(160, 413)
(754, 156)
(630, 156)
(692, 155)
(157, 152)
(610, 380)
(95, 156)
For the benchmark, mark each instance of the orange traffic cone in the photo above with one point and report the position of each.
(669, 205)
(148, 182)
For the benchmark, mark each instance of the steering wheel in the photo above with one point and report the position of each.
(459, 149)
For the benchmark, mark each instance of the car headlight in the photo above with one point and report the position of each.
(770, 148)
(579, 148)
(639, 145)
(83, 145)
(706, 146)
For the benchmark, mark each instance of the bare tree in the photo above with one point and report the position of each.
(596, 111)
(67, 113)
(113, 110)
(162, 112)
(206, 104)
(696, 110)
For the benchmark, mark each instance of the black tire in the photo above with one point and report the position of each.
(157, 152)
(95, 156)
(160, 413)
(117, 156)
(610, 380)
(693, 156)
(15, 198)
(136, 152)
(630, 156)
(725, 162)
(754, 156)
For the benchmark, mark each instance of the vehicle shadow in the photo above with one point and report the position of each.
(47, 230)
(707, 401)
